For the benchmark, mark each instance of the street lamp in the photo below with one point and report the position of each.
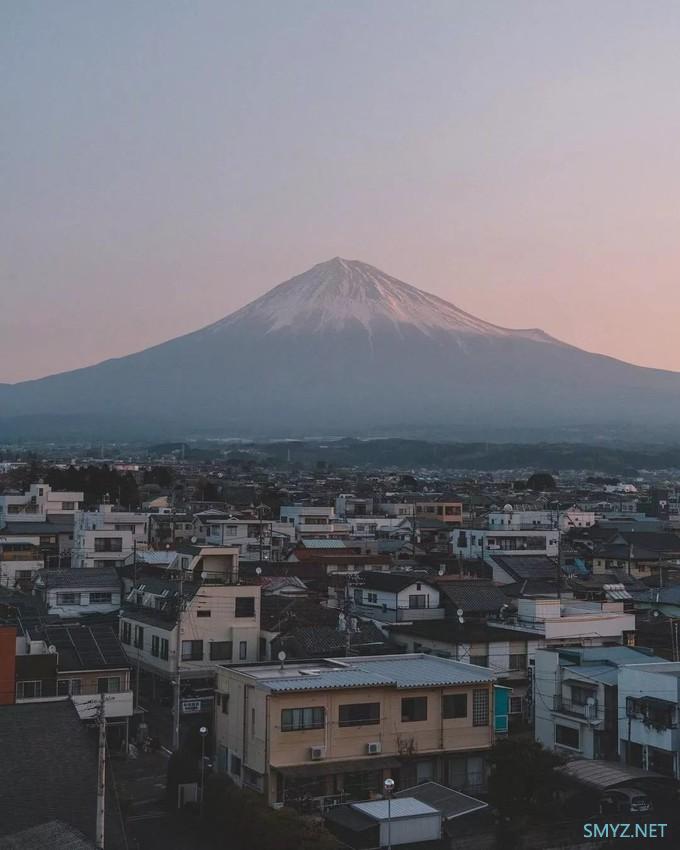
(389, 788)
(203, 732)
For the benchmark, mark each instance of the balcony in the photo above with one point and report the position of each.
(576, 709)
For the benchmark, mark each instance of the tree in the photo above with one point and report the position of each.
(522, 779)
(541, 481)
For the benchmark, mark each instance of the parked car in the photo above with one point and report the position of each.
(625, 801)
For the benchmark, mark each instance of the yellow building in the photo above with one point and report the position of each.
(333, 730)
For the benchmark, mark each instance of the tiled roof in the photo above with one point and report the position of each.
(48, 772)
(477, 596)
(93, 577)
(391, 582)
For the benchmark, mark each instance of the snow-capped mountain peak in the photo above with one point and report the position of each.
(339, 292)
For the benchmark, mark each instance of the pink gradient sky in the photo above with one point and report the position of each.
(162, 164)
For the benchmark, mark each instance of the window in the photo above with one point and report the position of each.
(192, 650)
(108, 544)
(139, 637)
(518, 662)
(454, 705)
(516, 705)
(372, 597)
(245, 606)
(100, 598)
(155, 646)
(29, 690)
(126, 632)
(243, 650)
(359, 714)
(580, 696)
(62, 688)
(417, 600)
(480, 707)
(225, 703)
(165, 646)
(68, 506)
(221, 650)
(296, 719)
(110, 685)
(565, 736)
(235, 765)
(480, 660)
(413, 709)
(25, 574)
(203, 613)
(75, 687)
(68, 599)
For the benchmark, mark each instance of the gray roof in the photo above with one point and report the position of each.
(527, 566)
(32, 528)
(48, 772)
(397, 671)
(53, 835)
(314, 543)
(478, 596)
(450, 803)
(399, 807)
(91, 577)
(606, 674)
(601, 775)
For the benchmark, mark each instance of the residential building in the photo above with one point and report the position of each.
(185, 627)
(107, 537)
(333, 730)
(256, 539)
(39, 503)
(73, 593)
(485, 542)
(450, 513)
(312, 520)
(20, 560)
(575, 697)
(388, 597)
(649, 716)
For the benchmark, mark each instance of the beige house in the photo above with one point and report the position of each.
(333, 730)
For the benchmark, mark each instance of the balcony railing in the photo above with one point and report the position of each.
(588, 711)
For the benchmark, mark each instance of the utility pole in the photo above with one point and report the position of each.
(178, 653)
(101, 776)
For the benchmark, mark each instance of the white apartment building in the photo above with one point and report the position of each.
(107, 537)
(255, 539)
(649, 716)
(38, 503)
(215, 618)
(312, 521)
(480, 542)
(572, 621)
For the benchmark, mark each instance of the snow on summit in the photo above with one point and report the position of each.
(339, 292)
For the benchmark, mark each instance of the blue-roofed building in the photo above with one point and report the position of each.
(575, 697)
(332, 730)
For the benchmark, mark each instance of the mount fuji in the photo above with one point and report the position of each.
(345, 348)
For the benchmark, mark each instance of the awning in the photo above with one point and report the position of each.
(331, 768)
(602, 775)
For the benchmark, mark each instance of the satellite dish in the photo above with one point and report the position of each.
(194, 539)
(258, 571)
(441, 571)
(52, 649)
(281, 656)
(459, 612)
(204, 575)
(461, 620)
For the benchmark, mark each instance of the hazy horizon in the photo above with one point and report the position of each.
(163, 164)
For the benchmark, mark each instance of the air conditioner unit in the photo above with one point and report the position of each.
(317, 753)
(373, 748)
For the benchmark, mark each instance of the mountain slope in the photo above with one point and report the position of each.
(344, 348)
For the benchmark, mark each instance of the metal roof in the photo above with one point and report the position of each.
(398, 671)
(450, 803)
(316, 543)
(398, 807)
(602, 775)
(606, 674)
